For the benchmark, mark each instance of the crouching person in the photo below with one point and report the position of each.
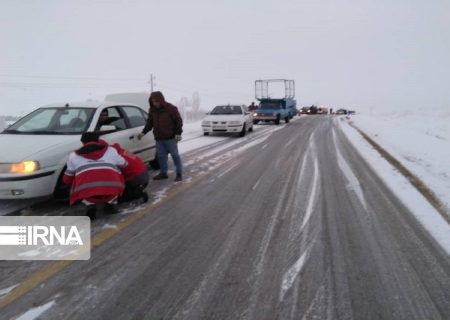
(94, 174)
(135, 174)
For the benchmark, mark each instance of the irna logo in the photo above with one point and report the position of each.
(45, 238)
(52, 235)
(40, 235)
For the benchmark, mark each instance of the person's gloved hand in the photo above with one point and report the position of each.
(178, 137)
(140, 135)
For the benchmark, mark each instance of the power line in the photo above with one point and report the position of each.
(69, 78)
(62, 86)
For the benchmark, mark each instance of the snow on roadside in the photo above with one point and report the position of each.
(160, 195)
(6, 291)
(436, 225)
(419, 139)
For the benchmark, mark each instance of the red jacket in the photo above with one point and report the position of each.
(135, 166)
(94, 174)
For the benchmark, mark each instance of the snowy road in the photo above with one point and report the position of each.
(288, 222)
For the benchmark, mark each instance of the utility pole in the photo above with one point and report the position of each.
(151, 82)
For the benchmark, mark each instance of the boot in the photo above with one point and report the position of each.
(111, 207)
(91, 211)
(179, 177)
(161, 176)
(141, 193)
(144, 196)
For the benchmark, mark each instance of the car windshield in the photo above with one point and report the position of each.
(227, 110)
(53, 121)
(269, 105)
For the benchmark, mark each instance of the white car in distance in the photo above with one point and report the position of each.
(35, 149)
(228, 119)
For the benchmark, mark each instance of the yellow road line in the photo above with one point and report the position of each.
(46, 272)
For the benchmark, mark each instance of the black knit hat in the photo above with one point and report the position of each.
(89, 136)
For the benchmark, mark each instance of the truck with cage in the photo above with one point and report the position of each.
(274, 108)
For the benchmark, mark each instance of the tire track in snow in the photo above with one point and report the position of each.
(262, 252)
(220, 175)
(291, 275)
(212, 151)
(315, 185)
(353, 181)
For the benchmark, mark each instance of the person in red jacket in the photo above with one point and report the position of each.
(93, 171)
(135, 174)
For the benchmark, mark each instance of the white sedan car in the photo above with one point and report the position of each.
(34, 150)
(228, 119)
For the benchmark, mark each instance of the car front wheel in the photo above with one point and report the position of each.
(242, 133)
(61, 191)
(277, 121)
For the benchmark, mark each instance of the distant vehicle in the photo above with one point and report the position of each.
(35, 149)
(274, 109)
(228, 119)
(304, 110)
(322, 110)
(341, 111)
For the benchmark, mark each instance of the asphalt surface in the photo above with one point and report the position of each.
(288, 222)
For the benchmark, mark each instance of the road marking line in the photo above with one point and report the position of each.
(227, 170)
(47, 271)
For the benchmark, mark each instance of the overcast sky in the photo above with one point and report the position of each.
(359, 54)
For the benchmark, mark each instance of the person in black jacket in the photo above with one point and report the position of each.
(166, 123)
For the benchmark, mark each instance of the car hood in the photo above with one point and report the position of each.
(20, 147)
(224, 117)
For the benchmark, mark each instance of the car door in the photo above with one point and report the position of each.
(122, 132)
(247, 117)
(136, 119)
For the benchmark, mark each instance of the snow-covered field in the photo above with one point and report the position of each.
(420, 140)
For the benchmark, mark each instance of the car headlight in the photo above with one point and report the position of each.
(20, 167)
(206, 123)
(235, 122)
(255, 114)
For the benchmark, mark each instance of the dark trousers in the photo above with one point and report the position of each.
(134, 188)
